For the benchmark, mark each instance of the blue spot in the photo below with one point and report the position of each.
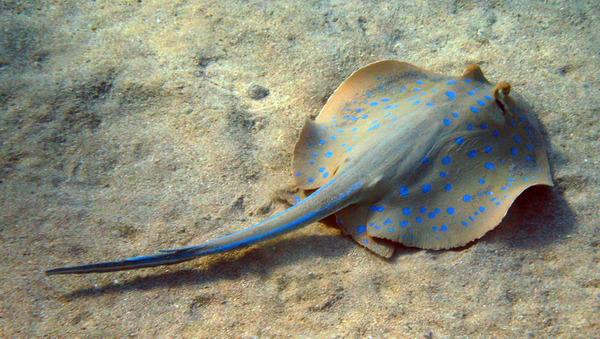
(321, 141)
(425, 160)
(487, 97)
(469, 127)
(496, 133)
(312, 163)
(419, 220)
(443, 228)
(368, 95)
(451, 82)
(527, 159)
(483, 126)
(467, 80)
(471, 218)
(377, 208)
(481, 102)
(471, 93)
(459, 140)
(385, 99)
(364, 116)
(325, 175)
(344, 144)
(447, 122)
(374, 103)
(391, 230)
(296, 199)
(437, 211)
(513, 151)
(406, 211)
(403, 191)
(387, 221)
(416, 89)
(348, 149)
(443, 174)
(512, 122)
(328, 154)
(455, 115)
(431, 215)
(340, 130)
(434, 229)
(517, 140)
(528, 147)
(450, 210)
(373, 127)
(464, 223)
(481, 181)
(446, 160)
(448, 188)
(466, 198)
(450, 95)
(474, 109)
(354, 129)
(490, 166)
(419, 82)
(426, 188)
(310, 179)
(333, 137)
(362, 229)
(472, 154)
(423, 209)
(403, 223)
(488, 149)
(297, 174)
(482, 209)
(417, 102)
(322, 169)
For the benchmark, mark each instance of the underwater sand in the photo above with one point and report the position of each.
(132, 126)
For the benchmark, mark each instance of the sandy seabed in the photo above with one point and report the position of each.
(132, 126)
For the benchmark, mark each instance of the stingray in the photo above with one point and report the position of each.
(402, 155)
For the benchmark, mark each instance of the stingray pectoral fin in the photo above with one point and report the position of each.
(168, 257)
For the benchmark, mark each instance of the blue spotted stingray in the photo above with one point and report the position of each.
(399, 155)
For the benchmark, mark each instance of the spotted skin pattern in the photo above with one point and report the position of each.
(400, 154)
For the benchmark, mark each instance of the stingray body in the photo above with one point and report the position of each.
(399, 155)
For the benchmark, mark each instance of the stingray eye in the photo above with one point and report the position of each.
(501, 91)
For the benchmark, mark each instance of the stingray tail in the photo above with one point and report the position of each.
(168, 257)
(322, 203)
